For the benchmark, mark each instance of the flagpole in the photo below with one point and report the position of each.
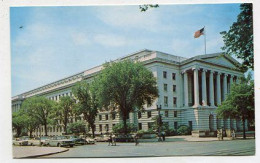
(205, 40)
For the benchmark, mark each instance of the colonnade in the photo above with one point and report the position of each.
(221, 88)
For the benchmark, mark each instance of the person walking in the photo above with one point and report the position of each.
(136, 139)
(163, 135)
(110, 140)
(114, 140)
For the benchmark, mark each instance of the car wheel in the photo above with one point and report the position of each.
(31, 144)
(71, 145)
(58, 145)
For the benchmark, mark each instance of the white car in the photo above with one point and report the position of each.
(60, 141)
(20, 142)
(90, 141)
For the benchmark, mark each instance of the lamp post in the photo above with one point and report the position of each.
(159, 121)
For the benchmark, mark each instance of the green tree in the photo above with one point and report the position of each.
(87, 102)
(77, 127)
(145, 7)
(64, 110)
(18, 122)
(239, 39)
(239, 104)
(127, 85)
(39, 108)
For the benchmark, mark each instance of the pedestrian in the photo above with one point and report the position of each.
(110, 140)
(163, 135)
(114, 139)
(136, 139)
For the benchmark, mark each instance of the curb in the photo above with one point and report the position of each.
(46, 154)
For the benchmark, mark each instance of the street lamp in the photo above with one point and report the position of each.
(159, 121)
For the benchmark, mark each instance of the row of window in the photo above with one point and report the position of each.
(165, 75)
(113, 117)
(166, 101)
(165, 87)
(59, 96)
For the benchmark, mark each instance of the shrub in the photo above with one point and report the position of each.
(77, 127)
(119, 128)
(170, 132)
(183, 130)
(140, 133)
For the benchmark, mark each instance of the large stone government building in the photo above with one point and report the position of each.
(190, 90)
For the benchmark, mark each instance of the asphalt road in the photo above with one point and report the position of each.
(156, 149)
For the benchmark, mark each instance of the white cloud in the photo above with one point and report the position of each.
(80, 38)
(131, 17)
(110, 40)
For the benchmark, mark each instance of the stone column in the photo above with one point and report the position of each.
(211, 88)
(218, 89)
(225, 86)
(186, 90)
(196, 87)
(204, 88)
(237, 80)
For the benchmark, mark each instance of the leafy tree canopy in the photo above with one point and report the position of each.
(145, 7)
(239, 103)
(87, 102)
(239, 39)
(39, 108)
(126, 85)
(77, 127)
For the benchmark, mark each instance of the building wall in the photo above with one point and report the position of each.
(158, 63)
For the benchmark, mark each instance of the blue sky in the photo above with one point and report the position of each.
(56, 42)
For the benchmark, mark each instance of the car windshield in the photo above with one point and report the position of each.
(44, 138)
(61, 137)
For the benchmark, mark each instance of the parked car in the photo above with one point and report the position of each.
(102, 138)
(77, 140)
(90, 140)
(60, 141)
(44, 139)
(18, 141)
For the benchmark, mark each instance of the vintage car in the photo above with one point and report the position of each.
(90, 140)
(102, 138)
(77, 140)
(44, 139)
(60, 141)
(18, 141)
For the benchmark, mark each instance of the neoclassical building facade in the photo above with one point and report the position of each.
(190, 90)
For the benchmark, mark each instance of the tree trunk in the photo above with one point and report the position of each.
(45, 128)
(93, 130)
(30, 133)
(125, 126)
(65, 128)
(244, 128)
(18, 131)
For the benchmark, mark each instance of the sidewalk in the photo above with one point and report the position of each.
(188, 138)
(34, 151)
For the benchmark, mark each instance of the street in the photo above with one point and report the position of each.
(156, 149)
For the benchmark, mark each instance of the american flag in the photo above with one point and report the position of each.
(198, 33)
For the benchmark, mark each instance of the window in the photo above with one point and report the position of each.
(164, 74)
(127, 116)
(175, 114)
(113, 116)
(165, 87)
(139, 126)
(174, 101)
(107, 127)
(175, 125)
(139, 115)
(100, 128)
(113, 125)
(174, 88)
(173, 76)
(165, 101)
(149, 114)
(100, 117)
(166, 114)
(106, 116)
(150, 125)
